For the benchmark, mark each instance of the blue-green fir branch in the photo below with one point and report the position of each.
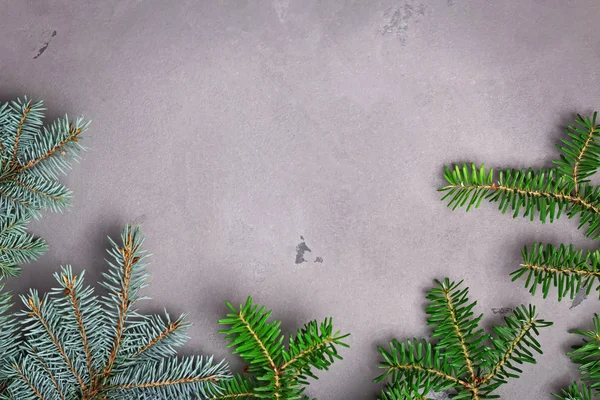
(580, 156)
(74, 345)
(575, 392)
(32, 156)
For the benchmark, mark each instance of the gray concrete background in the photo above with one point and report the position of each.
(229, 129)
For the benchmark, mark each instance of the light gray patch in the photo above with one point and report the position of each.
(301, 248)
(281, 9)
(397, 19)
(580, 296)
(45, 46)
(319, 259)
(502, 310)
(438, 395)
(139, 220)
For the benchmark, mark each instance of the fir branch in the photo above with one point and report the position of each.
(546, 194)
(419, 364)
(514, 343)
(459, 335)
(257, 342)
(587, 355)
(24, 109)
(280, 373)
(563, 267)
(417, 367)
(581, 155)
(313, 347)
(71, 286)
(50, 375)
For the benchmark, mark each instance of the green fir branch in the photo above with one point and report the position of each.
(563, 267)
(575, 392)
(276, 372)
(581, 155)
(32, 156)
(461, 359)
(460, 336)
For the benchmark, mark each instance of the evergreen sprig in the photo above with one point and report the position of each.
(581, 154)
(544, 194)
(275, 372)
(31, 158)
(74, 345)
(465, 359)
(587, 356)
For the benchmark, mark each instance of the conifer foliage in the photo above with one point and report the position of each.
(545, 194)
(274, 372)
(74, 345)
(464, 359)
(586, 355)
(32, 156)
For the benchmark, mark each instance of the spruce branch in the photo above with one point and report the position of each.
(280, 373)
(461, 359)
(16, 245)
(32, 156)
(78, 346)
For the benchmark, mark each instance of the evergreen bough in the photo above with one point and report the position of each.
(74, 345)
(587, 356)
(464, 359)
(32, 157)
(546, 194)
(274, 372)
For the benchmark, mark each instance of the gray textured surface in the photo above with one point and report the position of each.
(229, 129)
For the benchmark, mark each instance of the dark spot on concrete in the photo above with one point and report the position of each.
(398, 17)
(45, 46)
(502, 310)
(450, 3)
(319, 259)
(580, 296)
(301, 248)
